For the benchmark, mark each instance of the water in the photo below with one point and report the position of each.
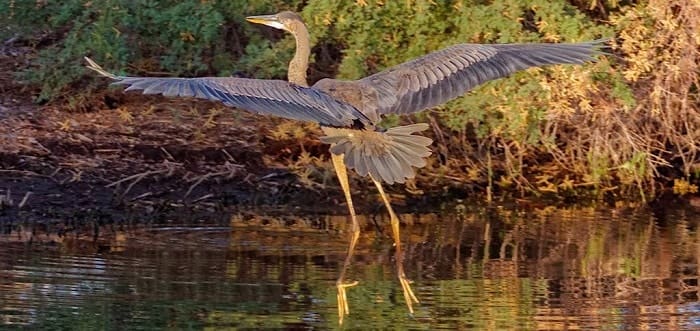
(472, 268)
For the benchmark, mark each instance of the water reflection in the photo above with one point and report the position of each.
(480, 268)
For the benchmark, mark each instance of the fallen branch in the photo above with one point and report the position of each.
(169, 168)
(204, 197)
(24, 200)
(137, 177)
(232, 169)
(147, 194)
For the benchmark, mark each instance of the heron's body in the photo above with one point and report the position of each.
(348, 111)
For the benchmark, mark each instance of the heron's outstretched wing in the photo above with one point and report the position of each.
(446, 74)
(268, 97)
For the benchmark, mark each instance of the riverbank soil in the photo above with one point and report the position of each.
(146, 153)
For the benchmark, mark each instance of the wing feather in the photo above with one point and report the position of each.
(268, 97)
(446, 74)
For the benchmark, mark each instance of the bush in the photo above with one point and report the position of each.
(184, 38)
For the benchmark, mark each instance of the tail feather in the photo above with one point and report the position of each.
(390, 156)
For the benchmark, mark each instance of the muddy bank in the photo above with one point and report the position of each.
(154, 159)
(146, 157)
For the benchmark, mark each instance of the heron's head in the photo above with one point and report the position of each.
(284, 20)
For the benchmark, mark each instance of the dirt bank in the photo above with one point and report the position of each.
(146, 155)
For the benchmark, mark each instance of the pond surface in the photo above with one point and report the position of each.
(472, 268)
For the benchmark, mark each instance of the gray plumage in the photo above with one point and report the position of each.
(443, 75)
(335, 104)
(267, 97)
(390, 155)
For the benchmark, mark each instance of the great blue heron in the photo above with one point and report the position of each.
(348, 111)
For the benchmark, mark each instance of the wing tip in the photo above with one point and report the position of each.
(92, 65)
(601, 43)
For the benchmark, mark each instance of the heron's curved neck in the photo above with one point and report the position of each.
(300, 62)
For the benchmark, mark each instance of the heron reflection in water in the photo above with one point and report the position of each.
(348, 111)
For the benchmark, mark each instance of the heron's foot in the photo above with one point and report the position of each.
(408, 293)
(343, 307)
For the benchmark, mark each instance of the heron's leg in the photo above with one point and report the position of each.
(342, 173)
(405, 283)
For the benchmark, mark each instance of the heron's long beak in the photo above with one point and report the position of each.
(269, 20)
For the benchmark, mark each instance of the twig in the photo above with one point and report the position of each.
(147, 194)
(24, 200)
(75, 177)
(200, 179)
(34, 141)
(204, 197)
(228, 155)
(167, 154)
(232, 169)
(138, 177)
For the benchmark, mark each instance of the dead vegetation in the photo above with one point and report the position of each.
(158, 158)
